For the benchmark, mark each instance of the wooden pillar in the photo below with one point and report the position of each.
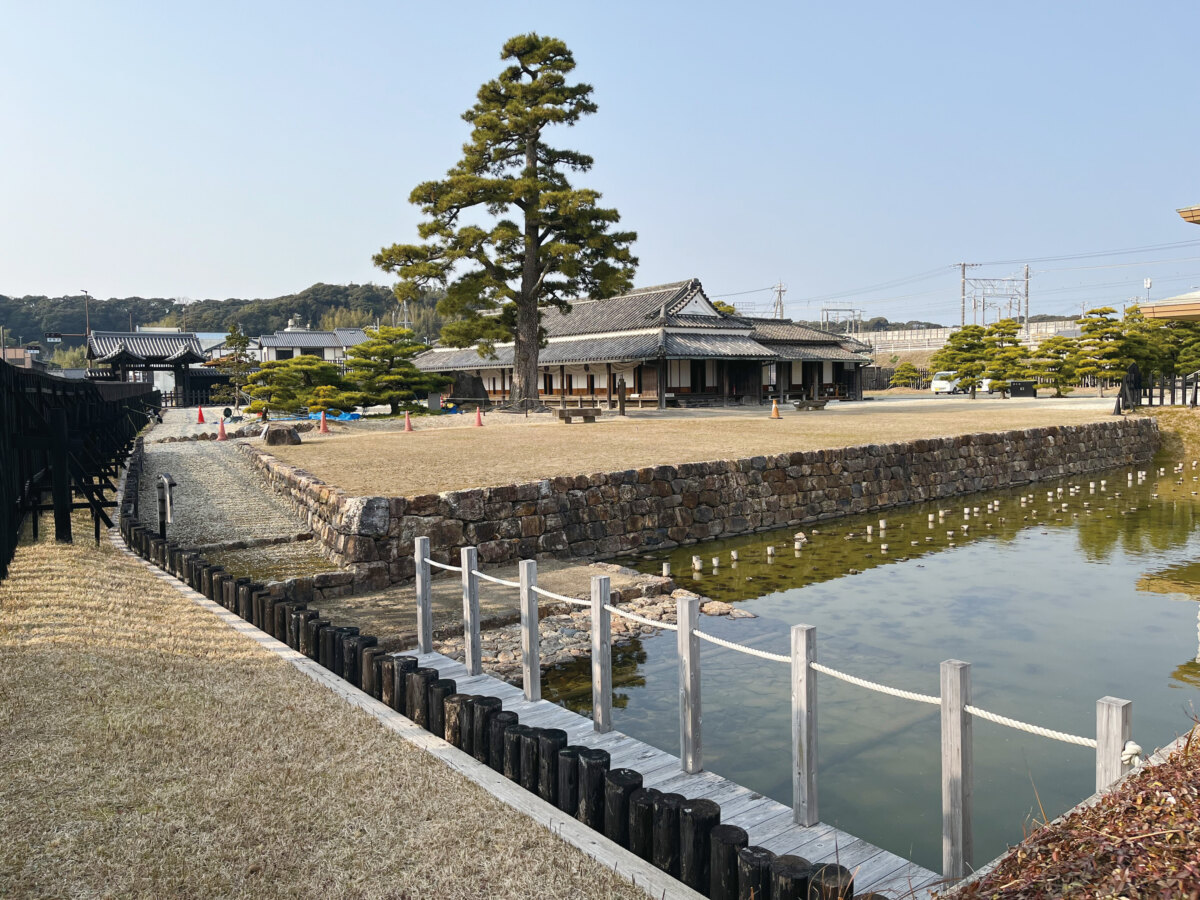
(662, 384)
(690, 747)
(608, 385)
(470, 585)
(531, 662)
(619, 785)
(60, 474)
(724, 367)
(957, 768)
(1114, 725)
(804, 726)
(562, 386)
(424, 596)
(601, 656)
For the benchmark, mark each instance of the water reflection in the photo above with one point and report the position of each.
(1052, 605)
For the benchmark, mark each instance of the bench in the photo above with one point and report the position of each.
(587, 413)
(809, 404)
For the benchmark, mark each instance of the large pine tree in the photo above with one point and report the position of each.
(505, 233)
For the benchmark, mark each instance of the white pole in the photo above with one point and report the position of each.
(470, 585)
(690, 749)
(1114, 726)
(957, 768)
(531, 660)
(804, 726)
(424, 596)
(601, 656)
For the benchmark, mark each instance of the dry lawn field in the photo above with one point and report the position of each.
(506, 451)
(149, 751)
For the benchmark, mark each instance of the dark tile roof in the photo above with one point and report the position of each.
(586, 350)
(818, 352)
(351, 337)
(787, 330)
(705, 346)
(303, 339)
(642, 308)
(148, 345)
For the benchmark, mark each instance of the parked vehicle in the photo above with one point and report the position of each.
(950, 383)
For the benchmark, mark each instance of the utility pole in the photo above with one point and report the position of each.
(780, 289)
(87, 325)
(1028, 327)
(962, 320)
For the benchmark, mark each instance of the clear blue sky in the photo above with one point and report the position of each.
(230, 149)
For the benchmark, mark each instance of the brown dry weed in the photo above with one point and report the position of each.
(149, 751)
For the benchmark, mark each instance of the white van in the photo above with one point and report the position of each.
(948, 383)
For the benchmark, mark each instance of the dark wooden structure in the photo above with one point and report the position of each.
(63, 438)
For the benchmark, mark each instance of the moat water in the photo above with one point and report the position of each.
(1053, 608)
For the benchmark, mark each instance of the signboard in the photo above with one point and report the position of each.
(53, 337)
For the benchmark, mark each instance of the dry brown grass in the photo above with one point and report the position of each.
(1180, 428)
(504, 452)
(149, 751)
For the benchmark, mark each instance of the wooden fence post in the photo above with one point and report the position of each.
(1114, 726)
(957, 768)
(470, 583)
(690, 746)
(804, 726)
(424, 596)
(601, 655)
(531, 660)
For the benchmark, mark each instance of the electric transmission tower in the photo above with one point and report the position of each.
(777, 310)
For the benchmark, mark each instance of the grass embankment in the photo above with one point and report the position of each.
(1180, 429)
(149, 751)
(505, 452)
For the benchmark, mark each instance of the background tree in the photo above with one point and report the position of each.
(1005, 359)
(236, 363)
(326, 397)
(1055, 359)
(728, 308)
(287, 384)
(965, 354)
(383, 372)
(343, 317)
(541, 240)
(1100, 346)
(906, 375)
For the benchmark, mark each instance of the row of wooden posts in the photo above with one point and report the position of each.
(684, 838)
(1187, 386)
(1113, 715)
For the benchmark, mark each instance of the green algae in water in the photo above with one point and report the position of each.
(1054, 608)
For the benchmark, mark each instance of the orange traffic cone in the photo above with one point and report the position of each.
(324, 425)
(221, 431)
(775, 410)
(407, 422)
(478, 417)
(199, 415)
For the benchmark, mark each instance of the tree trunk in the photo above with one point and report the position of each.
(525, 338)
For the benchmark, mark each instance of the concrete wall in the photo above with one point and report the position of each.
(614, 513)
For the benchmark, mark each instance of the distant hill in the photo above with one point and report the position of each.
(879, 323)
(322, 305)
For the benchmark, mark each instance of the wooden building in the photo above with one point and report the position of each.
(672, 347)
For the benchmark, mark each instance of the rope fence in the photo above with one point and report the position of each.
(1115, 750)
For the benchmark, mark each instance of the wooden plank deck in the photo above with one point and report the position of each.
(768, 822)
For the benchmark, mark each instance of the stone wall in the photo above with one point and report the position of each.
(614, 513)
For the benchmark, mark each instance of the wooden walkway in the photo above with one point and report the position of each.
(768, 822)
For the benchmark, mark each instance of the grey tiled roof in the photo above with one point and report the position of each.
(305, 339)
(631, 347)
(817, 352)
(638, 309)
(152, 346)
(351, 337)
(787, 330)
(704, 346)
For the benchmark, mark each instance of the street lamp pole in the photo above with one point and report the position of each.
(87, 324)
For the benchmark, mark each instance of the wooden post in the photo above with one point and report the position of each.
(641, 822)
(957, 768)
(568, 779)
(438, 692)
(1114, 726)
(500, 723)
(60, 475)
(529, 759)
(424, 596)
(387, 680)
(831, 882)
(550, 742)
(665, 841)
(690, 747)
(531, 660)
(804, 726)
(754, 872)
(470, 585)
(790, 876)
(697, 819)
(619, 785)
(485, 709)
(400, 669)
(512, 751)
(452, 706)
(601, 656)
(726, 840)
(593, 766)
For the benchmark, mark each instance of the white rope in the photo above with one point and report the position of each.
(479, 574)
(1032, 729)
(1132, 754)
(553, 596)
(629, 615)
(444, 566)
(872, 686)
(741, 648)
